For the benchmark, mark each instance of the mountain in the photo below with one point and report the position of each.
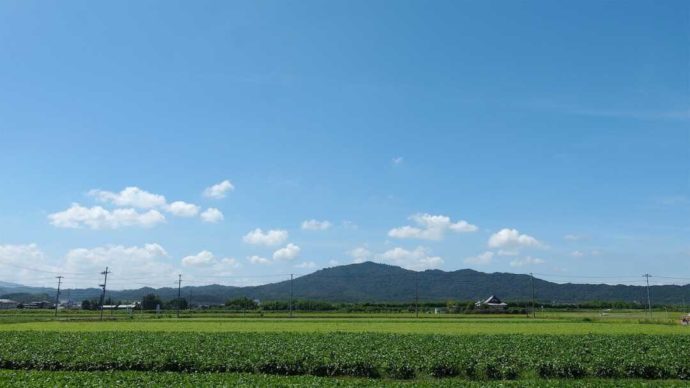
(373, 282)
(9, 285)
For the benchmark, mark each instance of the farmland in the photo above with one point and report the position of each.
(336, 351)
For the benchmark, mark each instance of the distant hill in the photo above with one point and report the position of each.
(373, 282)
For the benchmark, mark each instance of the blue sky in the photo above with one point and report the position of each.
(559, 133)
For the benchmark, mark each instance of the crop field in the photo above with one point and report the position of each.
(321, 351)
(379, 325)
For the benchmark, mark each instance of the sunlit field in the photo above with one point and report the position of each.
(333, 349)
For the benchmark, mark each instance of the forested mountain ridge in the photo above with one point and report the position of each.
(374, 282)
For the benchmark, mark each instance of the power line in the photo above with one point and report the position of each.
(105, 282)
(649, 300)
(534, 313)
(57, 294)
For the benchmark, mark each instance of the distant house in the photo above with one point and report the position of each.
(44, 304)
(492, 303)
(6, 304)
(121, 306)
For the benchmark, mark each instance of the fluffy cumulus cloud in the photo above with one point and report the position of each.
(315, 225)
(25, 264)
(269, 238)
(207, 262)
(130, 197)
(306, 265)
(431, 227)
(512, 239)
(219, 190)
(128, 265)
(212, 215)
(77, 216)
(481, 259)
(289, 252)
(183, 209)
(258, 260)
(417, 259)
(133, 207)
(201, 259)
(360, 254)
(525, 261)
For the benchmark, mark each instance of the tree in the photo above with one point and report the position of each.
(150, 301)
(85, 304)
(180, 303)
(242, 303)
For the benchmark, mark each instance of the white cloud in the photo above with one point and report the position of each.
(418, 259)
(183, 209)
(13, 259)
(481, 259)
(360, 254)
(577, 254)
(334, 263)
(258, 260)
(219, 190)
(201, 259)
(526, 261)
(431, 227)
(512, 239)
(271, 237)
(131, 196)
(77, 216)
(212, 215)
(289, 252)
(398, 160)
(508, 252)
(146, 263)
(135, 197)
(315, 225)
(207, 261)
(306, 265)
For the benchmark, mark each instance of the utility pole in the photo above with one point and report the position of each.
(57, 295)
(291, 278)
(179, 288)
(649, 300)
(534, 312)
(105, 282)
(416, 294)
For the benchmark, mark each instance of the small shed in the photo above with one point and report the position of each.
(492, 303)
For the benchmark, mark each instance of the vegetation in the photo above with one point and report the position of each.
(370, 355)
(21, 379)
(376, 283)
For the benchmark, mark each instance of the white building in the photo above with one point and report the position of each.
(492, 303)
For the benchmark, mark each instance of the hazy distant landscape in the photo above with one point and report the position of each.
(372, 282)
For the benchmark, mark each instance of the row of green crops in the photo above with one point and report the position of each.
(128, 379)
(371, 355)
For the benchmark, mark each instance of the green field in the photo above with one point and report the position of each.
(380, 325)
(582, 348)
